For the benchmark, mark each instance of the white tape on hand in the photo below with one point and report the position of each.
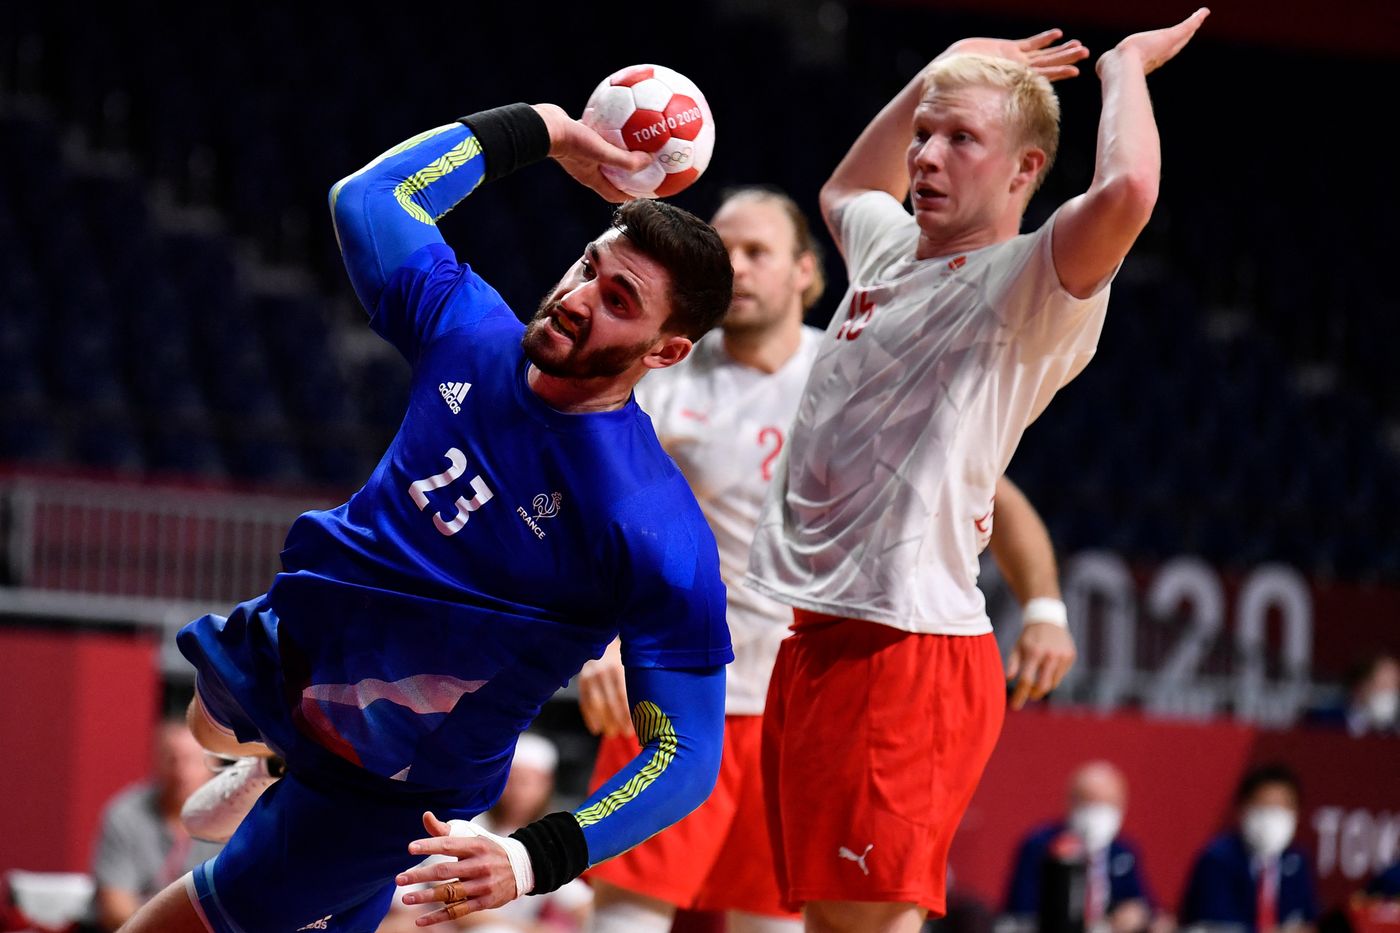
(514, 849)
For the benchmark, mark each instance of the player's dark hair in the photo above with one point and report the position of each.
(803, 238)
(1264, 775)
(702, 280)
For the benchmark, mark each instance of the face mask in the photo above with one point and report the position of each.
(1096, 824)
(1383, 708)
(1269, 829)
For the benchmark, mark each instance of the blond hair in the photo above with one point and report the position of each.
(1032, 109)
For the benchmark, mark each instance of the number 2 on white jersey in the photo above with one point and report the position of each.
(457, 465)
(765, 436)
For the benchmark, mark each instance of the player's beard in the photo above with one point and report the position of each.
(761, 319)
(576, 362)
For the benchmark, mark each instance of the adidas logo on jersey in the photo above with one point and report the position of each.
(322, 924)
(452, 393)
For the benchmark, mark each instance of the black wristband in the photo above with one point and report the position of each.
(558, 851)
(511, 137)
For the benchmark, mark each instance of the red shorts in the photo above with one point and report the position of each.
(718, 857)
(874, 740)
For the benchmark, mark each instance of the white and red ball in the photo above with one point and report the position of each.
(657, 110)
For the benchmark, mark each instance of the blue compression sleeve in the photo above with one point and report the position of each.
(679, 718)
(388, 210)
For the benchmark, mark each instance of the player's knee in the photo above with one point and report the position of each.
(197, 721)
(743, 922)
(170, 911)
(861, 917)
(208, 735)
(617, 910)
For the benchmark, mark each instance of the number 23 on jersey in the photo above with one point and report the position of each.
(457, 467)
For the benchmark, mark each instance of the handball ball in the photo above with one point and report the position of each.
(657, 110)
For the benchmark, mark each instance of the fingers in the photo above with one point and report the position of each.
(1072, 51)
(467, 857)
(603, 701)
(585, 143)
(453, 911)
(616, 718)
(435, 826)
(448, 892)
(1013, 663)
(1058, 63)
(586, 709)
(595, 181)
(1059, 72)
(1046, 677)
(1022, 692)
(1042, 656)
(1040, 40)
(591, 704)
(1159, 46)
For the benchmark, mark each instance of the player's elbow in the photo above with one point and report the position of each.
(342, 194)
(701, 758)
(704, 771)
(834, 194)
(1130, 196)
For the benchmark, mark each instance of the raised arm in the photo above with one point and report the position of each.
(876, 161)
(1094, 231)
(1025, 555)
(389, 209)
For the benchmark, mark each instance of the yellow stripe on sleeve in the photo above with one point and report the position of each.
(449, 161)
(406, 144)
(651, 724)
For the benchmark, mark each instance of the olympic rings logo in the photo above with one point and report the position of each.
(679, 157)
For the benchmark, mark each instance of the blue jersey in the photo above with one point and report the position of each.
(498, 545)
(418, 628)
(507, 542)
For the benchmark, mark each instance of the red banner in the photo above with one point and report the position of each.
(77, 717)
(1182, 779)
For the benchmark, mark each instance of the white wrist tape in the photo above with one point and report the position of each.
(1045, 609)
(514, 849)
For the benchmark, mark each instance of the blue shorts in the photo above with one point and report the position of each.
(310, 856)
(320, 848)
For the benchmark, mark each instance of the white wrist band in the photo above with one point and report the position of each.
(514, 849)
(1045, 609)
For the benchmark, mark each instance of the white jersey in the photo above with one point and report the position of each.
(926, 378)
(725, 424)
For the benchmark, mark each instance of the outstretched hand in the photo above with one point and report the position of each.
(1157, 46)
(475, 873)
(602, 694)
(583, 153)
(1043, 52)
(1040, 659)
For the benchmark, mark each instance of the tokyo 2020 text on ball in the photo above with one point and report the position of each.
(653, 109)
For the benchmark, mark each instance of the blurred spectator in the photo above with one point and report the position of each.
(142, 846)
(1373, 699)
(1116, 896)
(527, 796)
(1253, 878)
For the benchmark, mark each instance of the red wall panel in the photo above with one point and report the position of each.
(77, 716)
